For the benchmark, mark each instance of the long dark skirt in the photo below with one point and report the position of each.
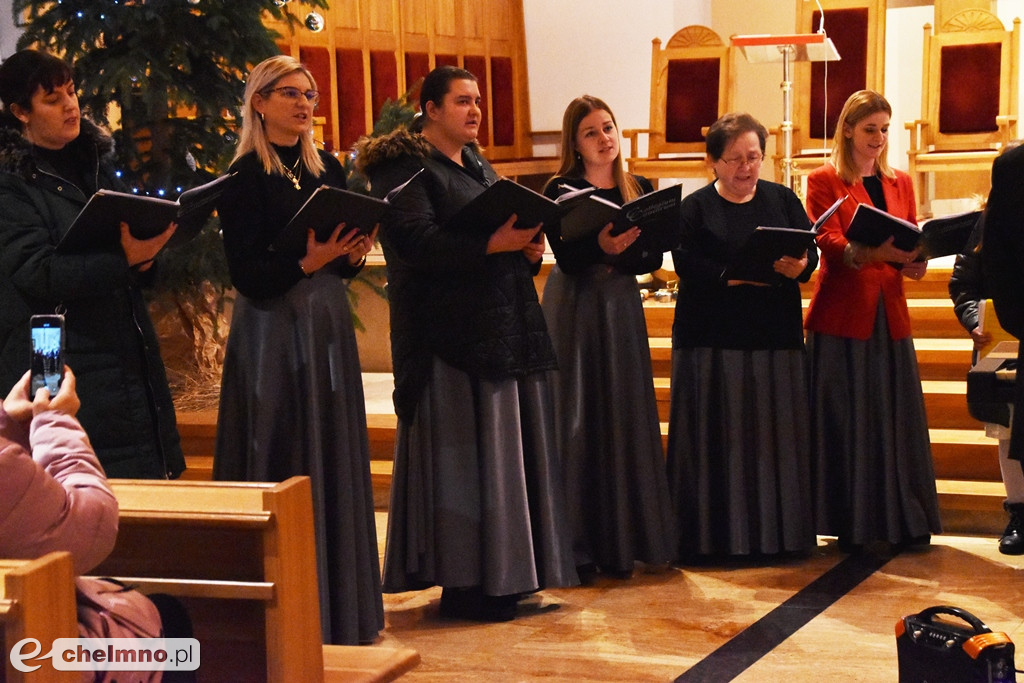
(873, 475)
(477, 498)
(739, 452)
(292, 404)
(607, 420)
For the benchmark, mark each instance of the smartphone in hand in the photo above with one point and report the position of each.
(47, 352)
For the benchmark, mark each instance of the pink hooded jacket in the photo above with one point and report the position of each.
(54, 496)
(53, 492)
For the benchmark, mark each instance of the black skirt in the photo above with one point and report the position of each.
(739, 452)
(607, 420)
(292, 404)
(872, 468)
(477, 497)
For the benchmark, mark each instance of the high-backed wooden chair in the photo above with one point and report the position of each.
(691, 86)
(857, 29)
(968, 99)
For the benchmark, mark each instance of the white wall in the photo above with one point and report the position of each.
(600, 48)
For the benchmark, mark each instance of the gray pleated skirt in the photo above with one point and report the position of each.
(607, 421)
(292, 404)
(477, 498)
(872, 469)
(739, 452)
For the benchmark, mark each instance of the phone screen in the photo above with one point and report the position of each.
(47, 352)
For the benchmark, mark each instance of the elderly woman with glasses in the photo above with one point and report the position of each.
(291, 394)
(739, 436)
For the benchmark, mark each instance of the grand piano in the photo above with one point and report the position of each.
(990, 384)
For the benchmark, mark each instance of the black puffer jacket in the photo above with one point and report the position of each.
(111, 345)
(477, 312)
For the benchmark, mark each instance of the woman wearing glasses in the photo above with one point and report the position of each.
(291, 394)
(739, 439)
(873, 473)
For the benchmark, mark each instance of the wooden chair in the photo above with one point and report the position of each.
(968, 101)
(857, 29)
(37, 600)
(241, 557)
(691, 86)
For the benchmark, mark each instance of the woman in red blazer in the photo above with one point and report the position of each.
(873, 475)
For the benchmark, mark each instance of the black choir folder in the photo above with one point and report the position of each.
(947, 235)
(98, 224)
(490, 209)
(322, 212)
(326, 208)
(656, 214)
(938, 237)
(755, 259)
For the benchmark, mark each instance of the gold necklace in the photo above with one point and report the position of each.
(294, 173)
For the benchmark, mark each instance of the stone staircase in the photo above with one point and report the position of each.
(966, 461)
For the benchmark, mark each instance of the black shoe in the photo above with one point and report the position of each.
(1012, 540)
(587, 573)
(471, 604)
(848, 547)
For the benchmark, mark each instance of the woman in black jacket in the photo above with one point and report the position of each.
(51, 161)
(476, 502)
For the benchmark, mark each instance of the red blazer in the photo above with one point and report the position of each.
(845, 299)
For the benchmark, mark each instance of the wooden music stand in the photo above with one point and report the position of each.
(800, 47)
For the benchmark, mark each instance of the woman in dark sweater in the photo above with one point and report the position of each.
(476, 502)
(739, 438)
(609, 436)
(292, 395)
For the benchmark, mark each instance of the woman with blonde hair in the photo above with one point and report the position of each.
(607, 416)
(291, 395)
(872, 471)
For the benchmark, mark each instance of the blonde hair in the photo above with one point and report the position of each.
(859, 106)
(253, 136)
(572, 162)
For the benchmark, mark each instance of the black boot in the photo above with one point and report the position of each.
(1012, 541)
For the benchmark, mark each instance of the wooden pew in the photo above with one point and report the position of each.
(37, 600)
(241, 557)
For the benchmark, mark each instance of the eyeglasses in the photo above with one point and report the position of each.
(736, 162)
(295, 94)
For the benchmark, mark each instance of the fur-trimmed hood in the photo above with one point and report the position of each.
(401, 142)
(16, 151)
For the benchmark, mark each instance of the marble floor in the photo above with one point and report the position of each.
(657, 626)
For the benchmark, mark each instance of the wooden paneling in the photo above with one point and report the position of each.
(382, 47)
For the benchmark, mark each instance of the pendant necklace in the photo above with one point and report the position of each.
(294, 173)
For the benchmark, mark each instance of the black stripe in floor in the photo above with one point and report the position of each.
(765, 634)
